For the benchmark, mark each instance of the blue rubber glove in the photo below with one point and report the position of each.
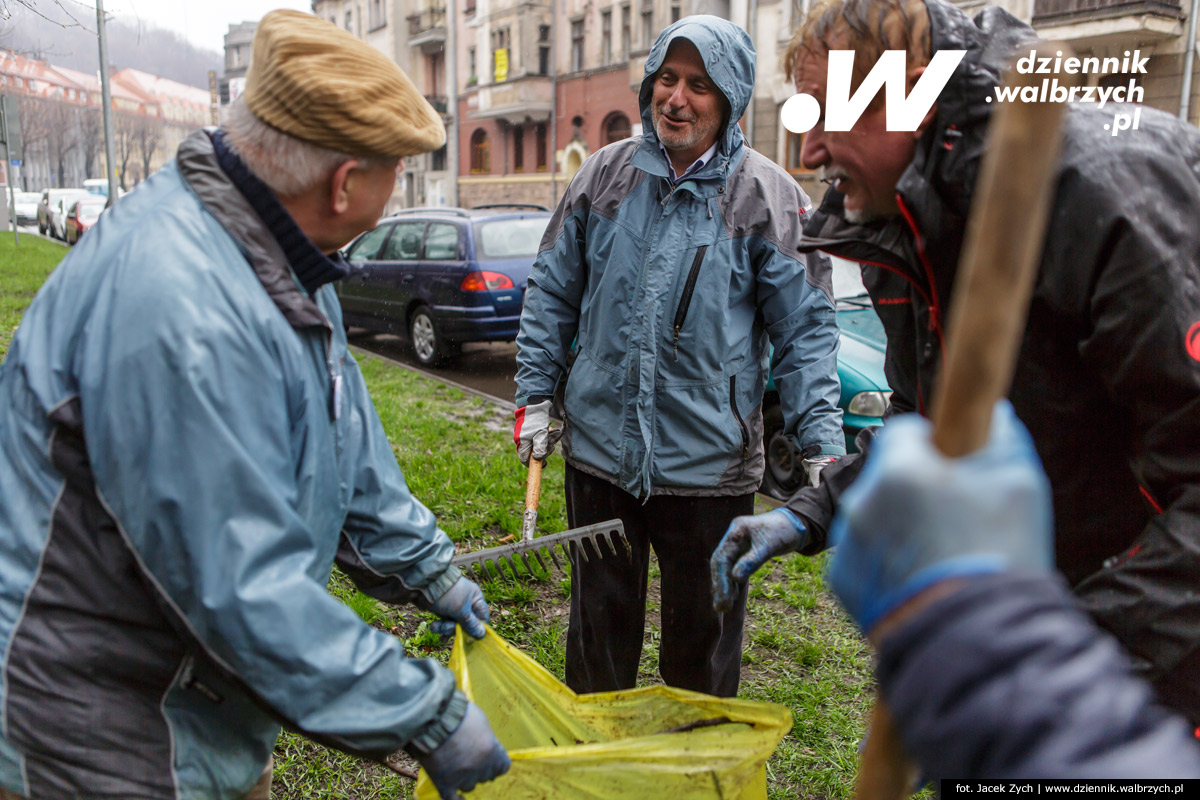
(463, 604)
(470, 755)
(746, 546)
(914, 518)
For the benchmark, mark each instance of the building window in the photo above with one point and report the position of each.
(606, 37)
(472, 71)
(647, 25)
(576, 45)
(544, 59)
(378, 14)
(480, 152)
(349, 19)
(616, 128)
(674, 12)
(500, 50)
(791, 160)
(543, 33)
(626, 24)
(519, 148)
(437, 159)
(540, 136)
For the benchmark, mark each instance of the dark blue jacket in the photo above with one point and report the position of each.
(1007, 678)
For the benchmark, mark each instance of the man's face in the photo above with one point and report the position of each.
(367, 191)
(864, 163)
(687, 107)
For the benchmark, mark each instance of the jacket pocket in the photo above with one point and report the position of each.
(685, 300)
(741, 422)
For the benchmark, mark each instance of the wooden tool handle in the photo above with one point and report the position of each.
(533, 489)
(1004, 239)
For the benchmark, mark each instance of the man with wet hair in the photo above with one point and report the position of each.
(1108, 376)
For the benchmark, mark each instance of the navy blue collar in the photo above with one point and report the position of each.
(313, 268)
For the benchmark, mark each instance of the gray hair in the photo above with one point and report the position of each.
(287, 165)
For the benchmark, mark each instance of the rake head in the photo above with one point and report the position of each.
(601, 540)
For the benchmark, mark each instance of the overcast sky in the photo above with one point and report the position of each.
(203, 22)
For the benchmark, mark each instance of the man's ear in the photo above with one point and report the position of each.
(341, 185)
(913, 76)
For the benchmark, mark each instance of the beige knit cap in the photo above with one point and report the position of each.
(312, 80)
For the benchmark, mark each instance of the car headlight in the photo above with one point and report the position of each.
(869, 404)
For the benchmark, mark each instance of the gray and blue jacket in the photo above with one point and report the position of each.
(674, 295)
(186, 448)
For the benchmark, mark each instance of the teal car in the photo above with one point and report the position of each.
(865, 392)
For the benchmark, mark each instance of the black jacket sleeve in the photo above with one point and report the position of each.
(1006, 678)
(816, 505)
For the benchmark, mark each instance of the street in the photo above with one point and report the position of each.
(484, 367)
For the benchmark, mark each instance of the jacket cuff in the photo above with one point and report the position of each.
(436, 588)
(444, 723)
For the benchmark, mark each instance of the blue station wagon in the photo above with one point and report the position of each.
(443, 276)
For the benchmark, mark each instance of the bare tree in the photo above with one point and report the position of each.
(148, 137)
(91, 137)
(126, 134)
(62, 136)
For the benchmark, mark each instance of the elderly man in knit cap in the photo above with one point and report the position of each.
(186, 448)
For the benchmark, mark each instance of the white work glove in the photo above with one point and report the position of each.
(532, 434)
(463, 604)
(813, 467)
(470, 755)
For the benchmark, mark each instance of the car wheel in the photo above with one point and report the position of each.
(427, 341)
(785, 472)
(41, 229)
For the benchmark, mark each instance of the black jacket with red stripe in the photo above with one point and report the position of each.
(1108, 377)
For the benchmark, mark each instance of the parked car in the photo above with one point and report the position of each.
(865, 394)
(443, 276)
(82, 215)
(26, 206)
(52, 209)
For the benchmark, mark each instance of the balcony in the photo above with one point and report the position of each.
(1090, 24)
(427, 29)
(512, 101)
(438, 101)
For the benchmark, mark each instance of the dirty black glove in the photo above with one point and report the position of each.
(747, 545)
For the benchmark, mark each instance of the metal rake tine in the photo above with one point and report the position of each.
(577, 547)
(554, 558)
(537, 557)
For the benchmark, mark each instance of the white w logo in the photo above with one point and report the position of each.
(802, 112)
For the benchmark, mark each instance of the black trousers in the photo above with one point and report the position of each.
(699, 649)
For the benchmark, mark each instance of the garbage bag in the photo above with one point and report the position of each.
(656, 741)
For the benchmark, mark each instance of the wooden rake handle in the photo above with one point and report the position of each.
(533, 493)
(1004, 239)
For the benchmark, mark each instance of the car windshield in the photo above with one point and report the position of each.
(847, 280)
(510, 238)
(28, 197)
(88, 210)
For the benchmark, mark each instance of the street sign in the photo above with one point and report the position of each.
(16, 162)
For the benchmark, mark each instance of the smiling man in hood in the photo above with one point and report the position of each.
(669, 269)
(1108, 376)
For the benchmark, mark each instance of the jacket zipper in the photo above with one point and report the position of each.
(935, 306)
(741, 423)
(686, 300)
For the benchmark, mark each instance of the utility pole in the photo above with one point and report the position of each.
(8, 160)
(452, 99)
(110, 150)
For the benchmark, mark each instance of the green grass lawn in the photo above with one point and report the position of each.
(456, 452)
(23, 268)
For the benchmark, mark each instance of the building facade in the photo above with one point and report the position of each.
(414, 34)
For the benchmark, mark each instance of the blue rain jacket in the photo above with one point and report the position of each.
(675, 295)
(186, 447)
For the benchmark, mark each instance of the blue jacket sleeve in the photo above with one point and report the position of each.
(206, 499)
(795, 298)
(550, 318)
(1007, 678)
(390, 545)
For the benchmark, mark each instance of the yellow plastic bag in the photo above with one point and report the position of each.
(612, 745)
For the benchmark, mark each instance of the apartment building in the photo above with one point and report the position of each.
(414, 34)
